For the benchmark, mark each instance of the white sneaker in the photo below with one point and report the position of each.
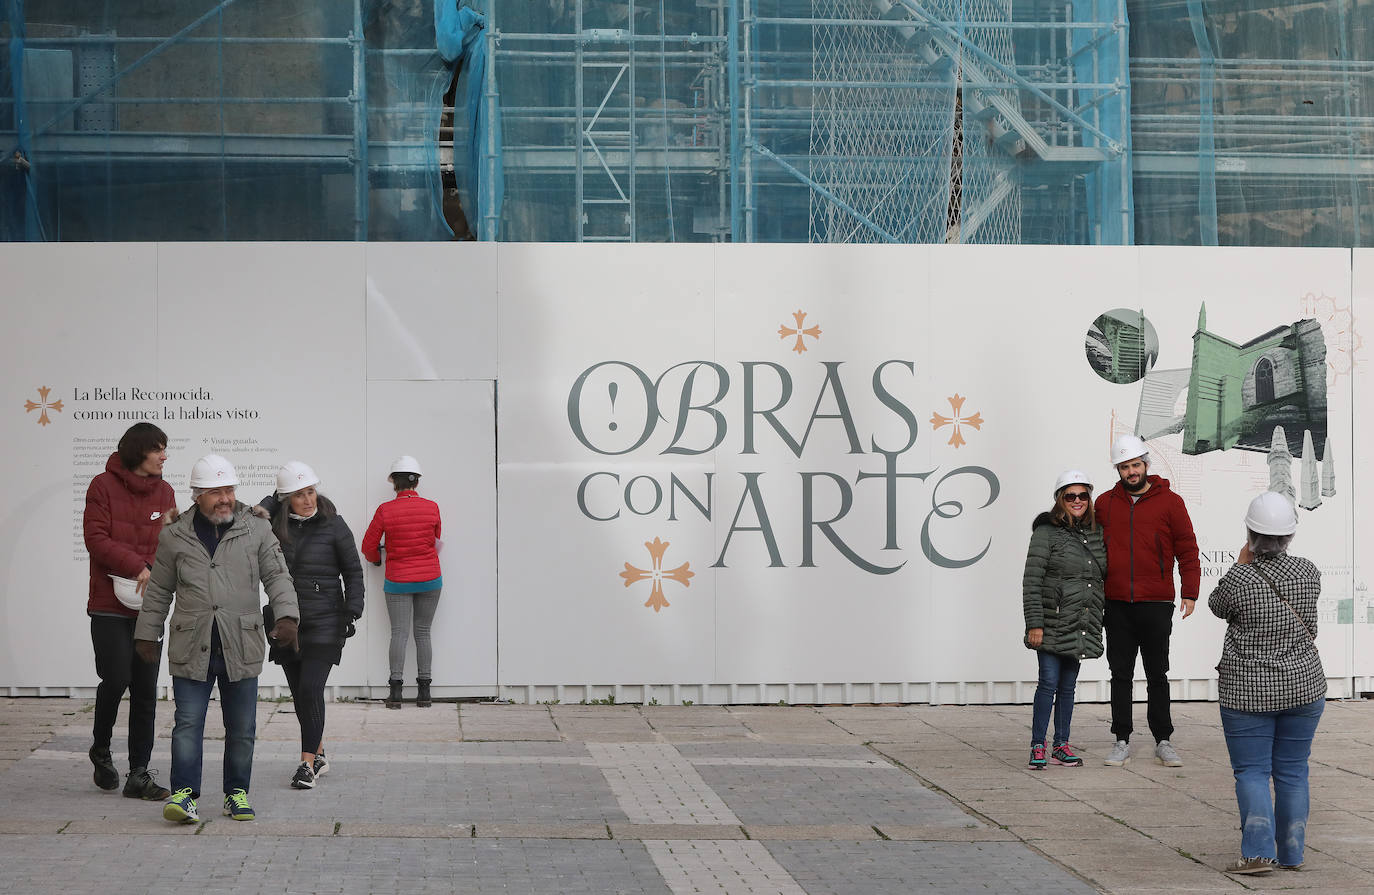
(1164, 751)
(1120, 755)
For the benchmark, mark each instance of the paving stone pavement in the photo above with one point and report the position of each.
(482, 797)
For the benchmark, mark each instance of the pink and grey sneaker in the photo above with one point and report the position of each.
(1037, 758)
(1064, 754)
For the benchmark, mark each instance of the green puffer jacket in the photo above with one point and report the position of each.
(1061, 591)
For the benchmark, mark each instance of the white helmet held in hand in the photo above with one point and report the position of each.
(1128, 447)
(1072, 477)
(1271, 514)
(126, 592)
(294, 476)
(213, 471)
(406, 463)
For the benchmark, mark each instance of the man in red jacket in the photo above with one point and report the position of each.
(126, 507)
(1146, 527)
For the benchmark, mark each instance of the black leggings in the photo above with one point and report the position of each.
(307, 678)
(120, 669)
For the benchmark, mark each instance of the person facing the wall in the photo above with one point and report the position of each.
(1271, 684)
(211, 560)
(323, 560)
(126, 507)
(408, 527)
(1146, 528)
(1062, 600)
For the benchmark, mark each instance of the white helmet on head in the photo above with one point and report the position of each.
(294, 476)
(1271, 514)
(213, 471)
(1128, 447)
(1072, 477)
(406, 463)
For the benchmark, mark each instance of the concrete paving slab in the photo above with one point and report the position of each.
(484, 797)
(841, 832)
(928, 833)
(224, 826)
(405, 831)
(541, 831)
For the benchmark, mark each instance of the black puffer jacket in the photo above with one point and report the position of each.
(1061, 590)
(324, 563)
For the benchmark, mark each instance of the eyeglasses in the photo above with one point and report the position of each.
(1076, 496)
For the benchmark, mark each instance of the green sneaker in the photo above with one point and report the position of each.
(236, 805)
(181, 808)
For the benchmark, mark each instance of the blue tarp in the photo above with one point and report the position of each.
(461, 39)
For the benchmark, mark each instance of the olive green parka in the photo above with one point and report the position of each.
(1061, 591)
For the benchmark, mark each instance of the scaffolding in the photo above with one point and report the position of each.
(958, 121)
(817, 120)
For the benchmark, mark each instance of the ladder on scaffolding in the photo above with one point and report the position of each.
(605, 105)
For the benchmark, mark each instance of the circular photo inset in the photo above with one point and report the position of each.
(1121, 346)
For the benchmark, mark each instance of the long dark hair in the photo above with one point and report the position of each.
(140, 441)
(1059, 513)
(281, 519)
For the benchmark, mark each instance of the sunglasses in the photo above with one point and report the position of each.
(1075, 496)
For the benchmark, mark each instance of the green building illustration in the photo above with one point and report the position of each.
(1121, 346)
(1238, 394)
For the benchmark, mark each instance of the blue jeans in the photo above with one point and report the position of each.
(1058, 680)
(1264, 746)
(239, 706)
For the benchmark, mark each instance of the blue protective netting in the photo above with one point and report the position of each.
(240, 119)
(1003, 121)
(1253, 122)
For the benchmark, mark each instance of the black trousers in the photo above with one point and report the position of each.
(1142, 627)
(120, 669)
(307, 678)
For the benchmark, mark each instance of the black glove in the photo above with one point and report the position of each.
(149, 651)
(349, 630)
(284, 633)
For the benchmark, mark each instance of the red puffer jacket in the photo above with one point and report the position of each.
(411, 525)
(1143, 540)
(123, 518)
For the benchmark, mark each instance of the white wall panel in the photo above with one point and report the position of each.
(347, 355)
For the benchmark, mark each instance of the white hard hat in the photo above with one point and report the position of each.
(1271, 514)
(1072, 477)
(1128, 447)
(126, 592)
(406, 463)
(294, 476)
(213, 471)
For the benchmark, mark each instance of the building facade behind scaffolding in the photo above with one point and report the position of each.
(909, 121)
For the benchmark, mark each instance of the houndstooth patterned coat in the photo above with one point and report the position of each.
(1269, 661)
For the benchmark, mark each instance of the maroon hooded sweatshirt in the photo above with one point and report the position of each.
(123, 518)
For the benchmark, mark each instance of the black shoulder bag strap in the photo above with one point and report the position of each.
(1274, 587)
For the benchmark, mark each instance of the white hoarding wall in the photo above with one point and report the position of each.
(800, 473)
(329, 354)
(1352, 356)
(726, 473)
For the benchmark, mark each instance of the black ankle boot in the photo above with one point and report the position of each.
(393, 700)
(422, 697)
(106, 776)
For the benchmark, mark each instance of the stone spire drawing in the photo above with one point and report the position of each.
(1311, 478)
(1281, 466)
(1328, 471)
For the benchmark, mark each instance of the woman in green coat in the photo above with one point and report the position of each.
(1061, 594)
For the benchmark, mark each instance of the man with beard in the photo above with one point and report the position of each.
(212, 559)
(1146, 527)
